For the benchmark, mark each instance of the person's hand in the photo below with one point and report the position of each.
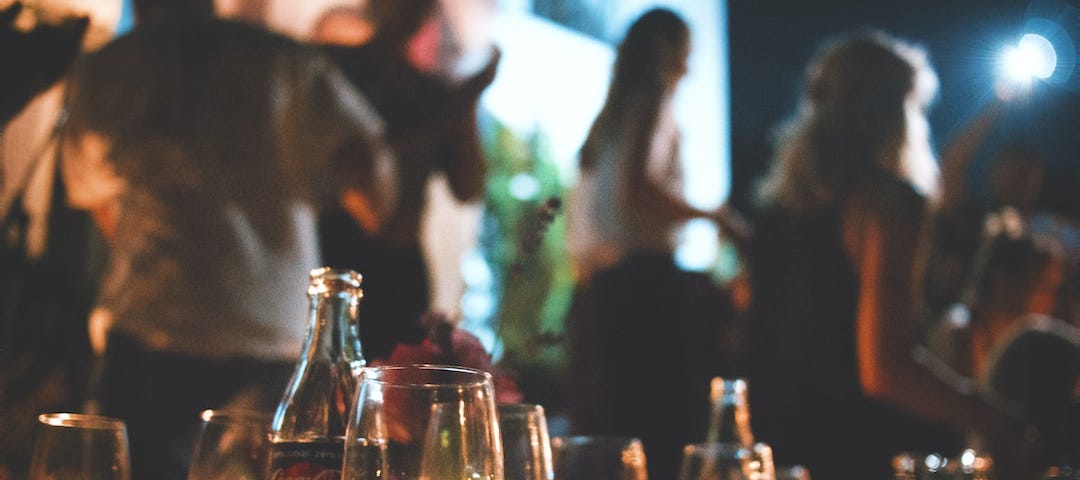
(476, 84)
(733, 224)
(34, 59)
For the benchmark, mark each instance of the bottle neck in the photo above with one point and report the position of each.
(333, 329)
(729, 420)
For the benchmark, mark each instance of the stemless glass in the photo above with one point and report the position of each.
(794, 472)
(72, 446)
(921, 466)
(423, 422)
(525, 440)
(934, 466)
(232, 444)
(727, 461)
(598, 458)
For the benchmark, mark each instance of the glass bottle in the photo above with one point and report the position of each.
(729, 419)
(308, 431)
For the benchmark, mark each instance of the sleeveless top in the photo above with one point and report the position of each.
(805, 395)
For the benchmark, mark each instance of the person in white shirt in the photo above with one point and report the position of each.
(205, 149)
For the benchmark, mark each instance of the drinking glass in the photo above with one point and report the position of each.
(598, 458)
(232, 444)
(525, 440)
(934, 466)
(794, 472)
(72, 446)
(727, 461)
(427, 422)
(921, 466)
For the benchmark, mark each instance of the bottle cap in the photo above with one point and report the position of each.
(721, 387)
(327, 279)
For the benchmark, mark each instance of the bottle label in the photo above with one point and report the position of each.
(306, 460)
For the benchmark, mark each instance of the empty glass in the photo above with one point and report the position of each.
(423, 422)
(232, 444)
(796, 472)
(598, 458)
(72, 446)
(727, 461)
(525, 440)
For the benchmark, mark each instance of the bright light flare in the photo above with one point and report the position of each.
(1034, 57)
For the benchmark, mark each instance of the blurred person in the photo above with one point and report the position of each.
(431, 126)
(47, 251)
(55, 43)
(1015, 275)
(205, 150)
(1013, 179)
(637, 316)
(837, 264)
(1008, 338)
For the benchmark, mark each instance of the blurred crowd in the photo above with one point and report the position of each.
(165, 192)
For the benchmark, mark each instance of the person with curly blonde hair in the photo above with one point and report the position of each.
(837, 263)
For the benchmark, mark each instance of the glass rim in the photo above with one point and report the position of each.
(519, 408)
(596, 440)
(211, 414)
(713, 447)
(484, 378)
(81, 420)
(347, 275)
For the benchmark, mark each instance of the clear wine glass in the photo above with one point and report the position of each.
(727, 461)
(525, 440)
(72, 446)
(232, 445)
(423, 422)
(598, 458)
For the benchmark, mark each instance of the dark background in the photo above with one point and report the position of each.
(771, 41)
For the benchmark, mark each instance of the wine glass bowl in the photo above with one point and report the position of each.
(526, 444)
(231, 444)
(416, 422)
(598, 458)
(72, 446)
(794, 472)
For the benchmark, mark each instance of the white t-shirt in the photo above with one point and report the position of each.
(607, 221)
(217, 139)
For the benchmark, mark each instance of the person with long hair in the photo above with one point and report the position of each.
(636, 315)
(206, 175)
(837, 381)
(627, 197)
(432, 129)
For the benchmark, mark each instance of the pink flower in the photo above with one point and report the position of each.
(449, 345)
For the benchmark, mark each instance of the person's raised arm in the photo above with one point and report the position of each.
(651, 194)
(362, 166)
(958, 155)
(368, 181)
(464, 164)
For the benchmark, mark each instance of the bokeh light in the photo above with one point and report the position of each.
(1034, 57)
